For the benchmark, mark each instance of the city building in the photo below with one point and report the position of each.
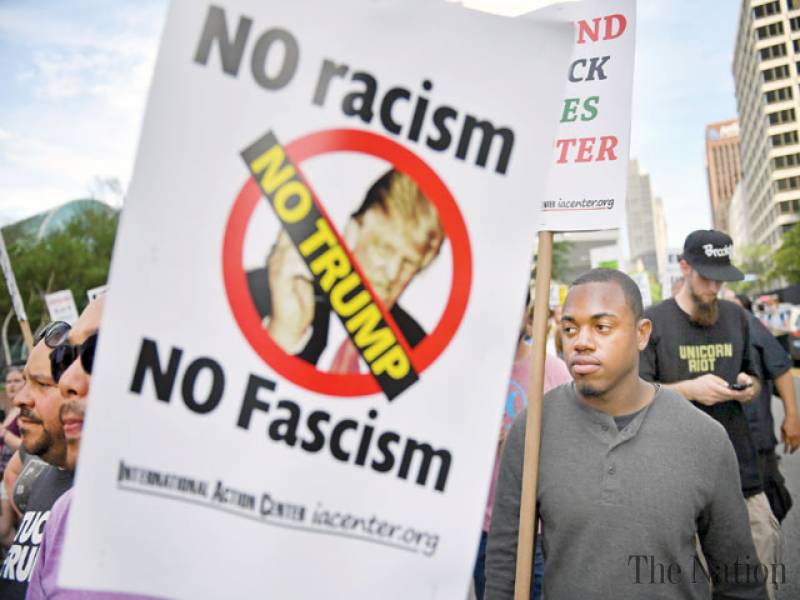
(647, 235)
(660, 232)
(581, 244)
(739, 218)
(723, 168)
(606, 257)
(768, 100)
(44, 223)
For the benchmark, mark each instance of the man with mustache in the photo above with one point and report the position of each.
(701, 348)
(71, 365)
(629, 473)
(39, 402)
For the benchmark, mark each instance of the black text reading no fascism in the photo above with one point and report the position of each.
(361, 443)
(362, 100)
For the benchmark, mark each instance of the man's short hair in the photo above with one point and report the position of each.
(633, 296)
(399, 196)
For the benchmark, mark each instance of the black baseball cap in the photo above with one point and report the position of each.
(709, 253)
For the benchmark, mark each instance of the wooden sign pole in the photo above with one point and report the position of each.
(533, 425)
(26, 334)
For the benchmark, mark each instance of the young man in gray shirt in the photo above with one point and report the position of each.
(630, 474)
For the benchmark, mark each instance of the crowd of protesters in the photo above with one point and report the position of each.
(657, 455)
(640, 493)
(48, 408)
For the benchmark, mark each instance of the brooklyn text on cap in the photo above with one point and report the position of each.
(709, 253)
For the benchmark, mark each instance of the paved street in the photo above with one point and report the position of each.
(790, 467)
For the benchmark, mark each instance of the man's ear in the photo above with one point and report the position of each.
(685, 268)
(643, 330)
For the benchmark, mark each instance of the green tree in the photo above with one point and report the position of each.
(656, 292)
(787, 258)
(76, 257)
(754, 261)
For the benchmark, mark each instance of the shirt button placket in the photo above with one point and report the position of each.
(611, 483)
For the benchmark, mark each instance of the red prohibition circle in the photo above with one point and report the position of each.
(244, 310)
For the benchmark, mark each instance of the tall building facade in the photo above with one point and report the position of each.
(581, 244)
(767, 79)
(739, 219)
(723, 168)
(646, 224)
(660, 232)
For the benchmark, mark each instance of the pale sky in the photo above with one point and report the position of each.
(75, 77)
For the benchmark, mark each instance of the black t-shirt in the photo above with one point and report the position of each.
(622, 421)
(18, 564)
(32, 468)
(771, 361)
(680, 349)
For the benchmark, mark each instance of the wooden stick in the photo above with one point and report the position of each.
(533, 425)
(26, 334)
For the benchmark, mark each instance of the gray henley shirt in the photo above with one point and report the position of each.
(620, 509)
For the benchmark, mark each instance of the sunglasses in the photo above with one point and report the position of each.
(62, 357)
(54, 334)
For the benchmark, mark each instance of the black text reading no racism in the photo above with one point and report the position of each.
(362, 99)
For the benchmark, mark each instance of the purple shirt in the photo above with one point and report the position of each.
(44, 580)
(555, 374)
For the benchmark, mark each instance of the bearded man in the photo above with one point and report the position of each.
(700, 347)
(39, 404)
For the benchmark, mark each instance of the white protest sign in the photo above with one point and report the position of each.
(668, 281)
(555, 294)
(337, 201)
(61, 306)
(11, 282)
(95, 292)
(587, 182)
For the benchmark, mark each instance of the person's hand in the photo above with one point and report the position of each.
(709, 390)
(790, 433)
(748, 393)
(292, 293)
